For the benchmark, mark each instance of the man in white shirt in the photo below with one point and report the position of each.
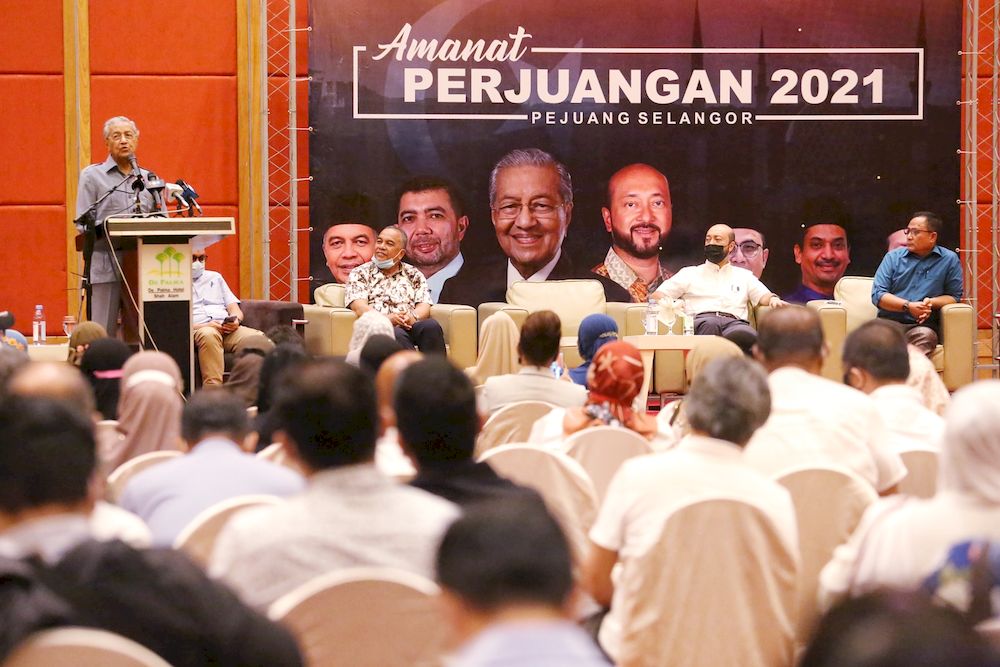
(537, 349)
(432, 213)
(718, 293)
(727, 402)
(350, 513)
(876, 361)
(814, 420)
(218, 319)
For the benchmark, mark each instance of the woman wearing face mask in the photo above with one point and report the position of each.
(719, 293)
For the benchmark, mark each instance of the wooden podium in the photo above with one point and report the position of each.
(163, 292)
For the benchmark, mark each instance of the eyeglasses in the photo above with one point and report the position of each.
(913, 232)
(749, 249)
(537, 209)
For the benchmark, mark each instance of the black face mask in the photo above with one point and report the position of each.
(715, 253)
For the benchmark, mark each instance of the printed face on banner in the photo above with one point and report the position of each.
(433, 229)
(749, 252)
(347, 246)
(639, 213)
(529, 216)
(823, 256)
(896, 240)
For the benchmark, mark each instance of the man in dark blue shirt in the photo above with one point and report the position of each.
(912, 284)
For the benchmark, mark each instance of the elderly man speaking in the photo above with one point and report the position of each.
(398, 291)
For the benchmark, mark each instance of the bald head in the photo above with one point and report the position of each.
(720, 234)
(53, 379)
(385, 381)
(790, 336)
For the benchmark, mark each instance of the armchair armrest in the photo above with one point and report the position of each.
(958, 339)
(328, 330)
(833, 320)
(461, 331)
(628, 317)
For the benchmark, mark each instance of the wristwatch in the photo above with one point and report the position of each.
(906, 308)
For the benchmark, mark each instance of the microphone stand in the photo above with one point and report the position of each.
(90, 225)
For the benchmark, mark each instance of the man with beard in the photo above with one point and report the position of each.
(823, 254)
(718, 293)
(638, 215)
(432, 214)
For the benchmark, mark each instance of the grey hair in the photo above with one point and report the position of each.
(119, 119)
(729, 400)
(533, 157)
(402, 234)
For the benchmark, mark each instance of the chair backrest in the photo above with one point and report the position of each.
(921, 473)
(511, 423)
(571, 300)
(121, 475)
(106, 434)
(81, 647)
(718, 588)
(365, 617)
(562, 482)
(198, 538)
(828, 503)
(855, 292)
(602, 449)
(331, 295)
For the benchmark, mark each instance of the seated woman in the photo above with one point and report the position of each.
(497, 349)
(102, 363)
(366, 326)
(83, 335)
(671, 417)
(595, 331)
(614, 379)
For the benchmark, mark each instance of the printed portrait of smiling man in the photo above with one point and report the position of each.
(823, 255)
(638, 214)
(432, 213)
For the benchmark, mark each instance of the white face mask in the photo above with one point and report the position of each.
(197, 268)
(386, 263)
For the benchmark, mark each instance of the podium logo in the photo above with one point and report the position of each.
(170, 262)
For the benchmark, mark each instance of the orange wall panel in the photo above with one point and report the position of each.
(40, 180)
(33, 258)
(224, 256)
(176, 37)
(187, 128)
(31, 34)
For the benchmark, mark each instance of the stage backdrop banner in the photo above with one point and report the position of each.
(766, 115)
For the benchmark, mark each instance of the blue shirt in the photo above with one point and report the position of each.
(530, 643)
(913, 278)
(803, 294)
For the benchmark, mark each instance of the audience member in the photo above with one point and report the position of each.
(595, 330)
(214, 425)
(876, 361)
(64, 382)
(718, 293)
(149, 410)
(815, 420)
(726, 404)
(102, 364)
(537, 349)
(376, 351)
(389, 455)
(901, 541)
(10, 361)
(506, 574)
(927, 381)
(280, 334)
(350, 514)
(53, 573)
(498, 337)
(277, 365)
(244, 379)
(435, 411)
(895, 629)
(83, 335)
(370, 323)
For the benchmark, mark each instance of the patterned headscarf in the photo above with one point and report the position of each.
(615, 378)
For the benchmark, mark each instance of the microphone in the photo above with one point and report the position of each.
(138, 183)
(176, 193)
(155, 185)
(189, 194)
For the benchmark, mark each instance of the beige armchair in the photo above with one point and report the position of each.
(571, 300)
(330, 323)
(954, 358)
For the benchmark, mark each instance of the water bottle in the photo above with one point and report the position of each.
(650, 323)
(38, 326)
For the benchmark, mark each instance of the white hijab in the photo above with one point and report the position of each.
(970, 461)
(369, 324)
